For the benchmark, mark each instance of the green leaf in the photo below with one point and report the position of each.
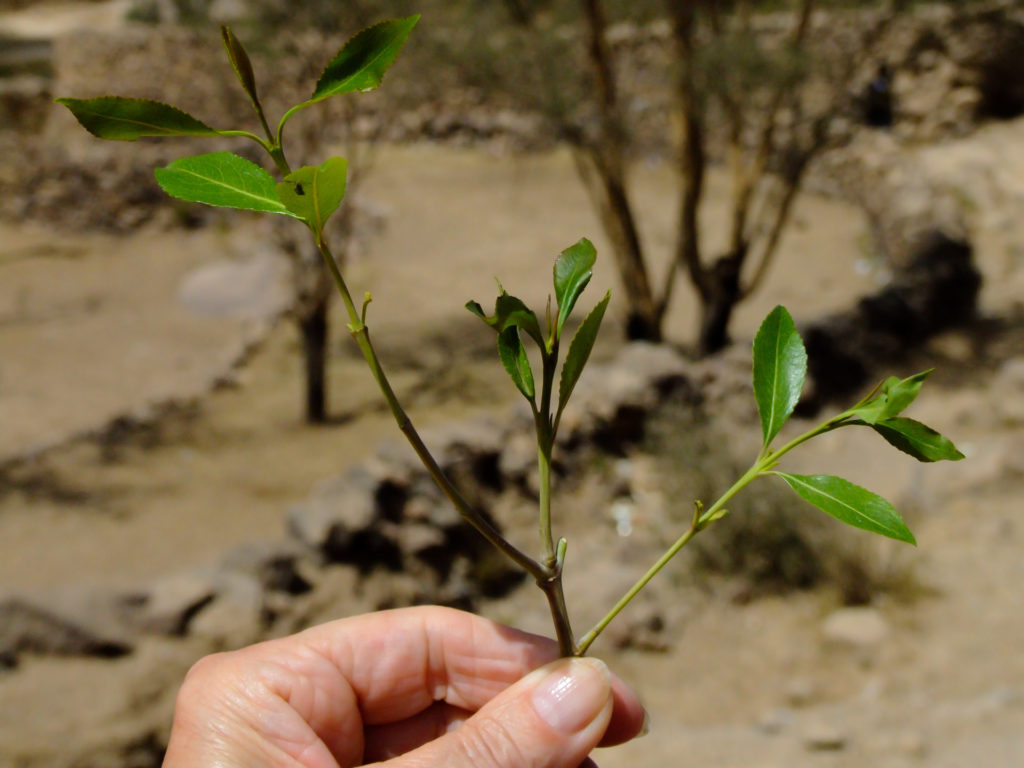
(780, 366)
(573, 269)
(313, 193)
(851, 504)
(579, 351)
(360, 65)
(904, 392)
(121, 119)
(509, 311)
(892, 398)
(222, 179)
(920, 441)
(240, 63)
(513, 357)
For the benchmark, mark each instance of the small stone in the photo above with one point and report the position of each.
(823, 737)
(276, 565)
(26, 626)
(235, 617)
(800, 692)
(911, 744)
(862, 628)
(776, 721)
(169, 605)
(337, 512)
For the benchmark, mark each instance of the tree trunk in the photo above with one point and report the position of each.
(718, 303)
(643, 318)
(608, 155)
(313, 326)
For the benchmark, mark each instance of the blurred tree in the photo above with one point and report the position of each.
(758, 95)
(768, 95)
(761, 98)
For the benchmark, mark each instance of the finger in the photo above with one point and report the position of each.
(629, 718)
(386, 741)
(400, 662)
(552, 718)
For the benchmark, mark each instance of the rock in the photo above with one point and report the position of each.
(27, 627)
(457, 440)
(277, 566)
(776, 721)
(255, 287)
(861, 628)
(431, 507)
(169, 605)
(617, 398)
(339, 522)
(469, 453)
(800, 692)
(417, 539)
(824, 737)
(644, 631)
(334, 595)
(235, 617)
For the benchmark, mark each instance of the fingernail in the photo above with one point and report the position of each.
(645, 727)
(572, 694)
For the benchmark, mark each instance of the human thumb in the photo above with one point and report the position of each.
(552, 718)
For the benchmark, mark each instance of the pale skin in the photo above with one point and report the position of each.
(410, 688)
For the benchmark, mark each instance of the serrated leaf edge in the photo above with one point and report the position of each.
(64, 101)
(317, 96)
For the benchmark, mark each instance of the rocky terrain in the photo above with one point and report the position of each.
(159, 499)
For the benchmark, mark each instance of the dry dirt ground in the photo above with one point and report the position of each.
(92, 327)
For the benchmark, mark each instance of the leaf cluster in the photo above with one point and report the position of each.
(225, 179)
(779, 371)
(513, 320)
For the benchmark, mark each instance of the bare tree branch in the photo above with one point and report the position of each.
(747, 180)
(693, 168)
(608, 157)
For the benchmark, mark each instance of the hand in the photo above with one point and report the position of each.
(416, 687)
